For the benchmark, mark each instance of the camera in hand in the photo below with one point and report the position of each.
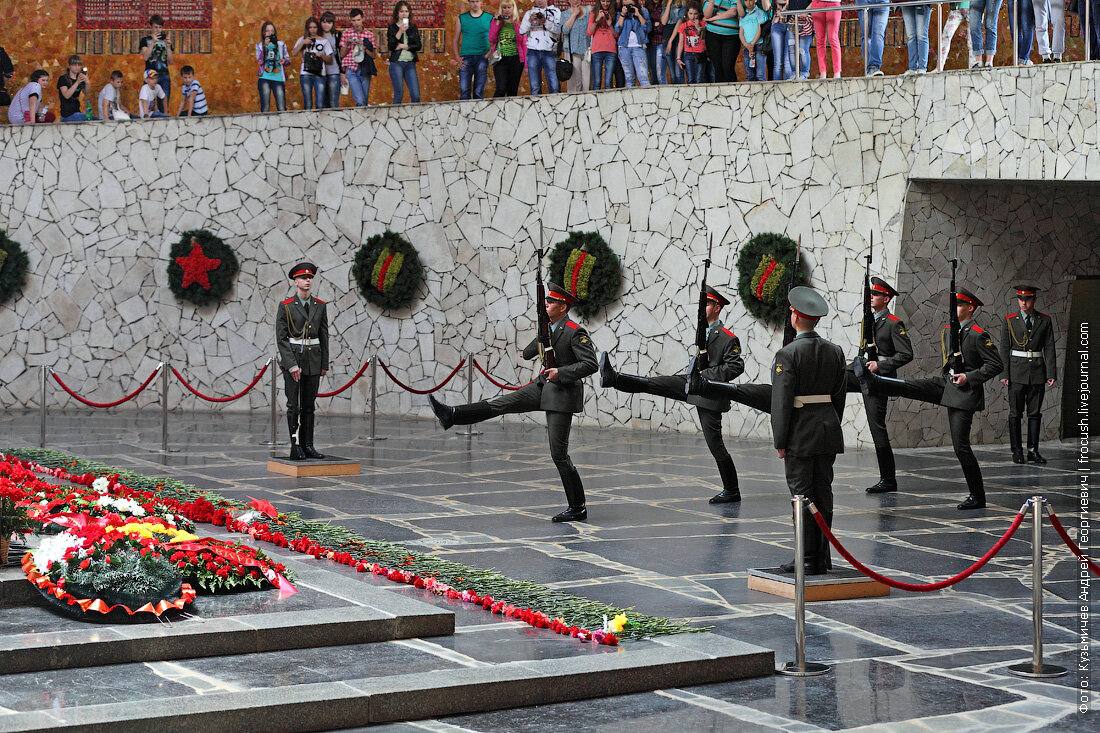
(629, 10)
(539, 15)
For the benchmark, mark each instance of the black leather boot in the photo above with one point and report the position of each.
(444, 413)
(607, 372)
(1014, 441)
(1034, 428)
(574, 493)
(730, 493)
(306, 437)
(871, 383)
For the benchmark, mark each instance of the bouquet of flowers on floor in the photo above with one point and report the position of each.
(100, 499)
(13, 515)
(216, 565)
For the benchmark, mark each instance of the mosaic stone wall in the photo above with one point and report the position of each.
(657, 171)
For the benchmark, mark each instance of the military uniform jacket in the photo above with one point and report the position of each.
(895, 350)
(726, 364)
(1039, 340)
(291, 322)
(982, 364)
(809, 366)
(576, 359)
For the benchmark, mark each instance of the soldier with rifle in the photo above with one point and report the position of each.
(301, 335)
(568, 356)
(1027, 350)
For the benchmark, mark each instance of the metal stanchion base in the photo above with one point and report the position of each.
(1027, 669)
(164, 451)
(376, 438)
(810, 669)
(471, 433)
(276, 442)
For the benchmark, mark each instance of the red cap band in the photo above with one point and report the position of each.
(965, 299)
(1026, 293)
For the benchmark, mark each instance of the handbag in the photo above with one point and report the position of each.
(565, 65)
(495, 56)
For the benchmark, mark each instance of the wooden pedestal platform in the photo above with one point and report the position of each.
(837, 585)
(328, 466)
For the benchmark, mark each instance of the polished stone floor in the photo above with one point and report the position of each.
(907, 662)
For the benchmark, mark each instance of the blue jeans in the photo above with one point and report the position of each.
(332, 90)
(164, 81)
(990, 9)
(1092, 50)
(782, 44)
(757, 71)
(79, 117)
(916, 19)
(360, 87)
(267, 87)
(475, 67)
(1026, 35)
(313, 91)
(674, 69)
(662, 65)
(539, 62)
(155, 115)
(403, 74)
(634, 65)
(693, 69)
(874, 23)
(603, 67)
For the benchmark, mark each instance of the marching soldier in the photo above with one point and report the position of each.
(724, 357)
(962, 394)
(558, 391)
(1027, 350)
(301, 333)
(808, 391)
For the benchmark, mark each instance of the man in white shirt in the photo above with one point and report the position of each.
(542, 26)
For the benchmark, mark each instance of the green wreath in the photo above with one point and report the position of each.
(14, 265)
(766, 273)
(387, 270)
(585, 266)
(201, 268)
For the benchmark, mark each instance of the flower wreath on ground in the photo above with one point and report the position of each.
(765, 274)
(584, 265)
(94, 497)
(14, 265)
(201, 268)
(387, 270)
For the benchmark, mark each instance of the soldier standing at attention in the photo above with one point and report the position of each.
(301, 334)
(808, 391)
(962, 392)
(724, 358)
(558, 391)
(1027, 350)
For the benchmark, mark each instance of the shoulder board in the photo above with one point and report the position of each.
(288, 301)
(893, 318)
(1044, 315)
(318, 300)
(572, 325)
(729, 333)
(977, 329)
(1012, 315)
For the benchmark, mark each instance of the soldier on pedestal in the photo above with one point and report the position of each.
(1027, 350)
(301, 334)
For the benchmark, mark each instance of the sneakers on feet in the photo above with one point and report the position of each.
(875, 71)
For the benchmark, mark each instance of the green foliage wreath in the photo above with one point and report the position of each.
(585, 266)
(196, 247)
(387, 270)
(13, 268)
(765, 270)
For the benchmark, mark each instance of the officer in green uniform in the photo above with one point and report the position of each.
(558, 391)
(1027, 350)
(808, 391)
(725, 363)
(301, 334)
(962, 393)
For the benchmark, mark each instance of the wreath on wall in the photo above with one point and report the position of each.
(585, 266)
(14, 265)
(201, 268)
(387, 270)
(766, 273)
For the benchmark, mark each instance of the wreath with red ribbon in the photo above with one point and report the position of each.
(14, 265)
(584, 265)
(201, 268)
(387, 270)
(765, 274)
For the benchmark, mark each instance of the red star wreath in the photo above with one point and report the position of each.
(201, 268)
(197, 266)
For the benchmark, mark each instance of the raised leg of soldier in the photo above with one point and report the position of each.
(803, 478)
(711, 423)
(875, 407)
(671, 387)
(756, 396)
(558, 425)
(960, 422)
(527, 399)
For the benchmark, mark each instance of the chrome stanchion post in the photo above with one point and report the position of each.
(1088, 37)
(939, 37)
(164, 369)
(274, 403)
(1036, 668)
(42, 407)
(1015, 32)
(373, 398)
(469, 432)
(797, 50)
(800, 667)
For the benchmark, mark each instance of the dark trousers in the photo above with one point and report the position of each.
(812, 476)
(507, 73)
(723, 52)
(709, 420)
(558, 424)
(875, 406)
(1026, 395)
(301, 399)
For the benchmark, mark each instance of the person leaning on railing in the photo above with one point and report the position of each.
(983, 15)
(872, 29)
(916, 19)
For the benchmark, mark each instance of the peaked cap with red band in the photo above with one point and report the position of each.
(968, 297)
(557, 292)
(807, 303)
(717, 297)
(1026, 291)
(303, 268)
(881, 287)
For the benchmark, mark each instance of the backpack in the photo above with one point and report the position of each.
(313, 63)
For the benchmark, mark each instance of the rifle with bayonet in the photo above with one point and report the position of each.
(867, 346)
(546, 345)
(701, 359)
(788, 329)
(953, 359)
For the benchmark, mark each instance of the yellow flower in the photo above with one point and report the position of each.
(150, 530)
(617, 624)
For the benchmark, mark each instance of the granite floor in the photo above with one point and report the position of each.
(907, 662)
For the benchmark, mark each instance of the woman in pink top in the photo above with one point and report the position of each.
(504, 34)
(605, 44)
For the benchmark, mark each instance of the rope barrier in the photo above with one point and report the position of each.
(407, 388)
(237, 396)
(1070, 543)
(494, 382)
(353, 381)
(128, 397)
(926, 587)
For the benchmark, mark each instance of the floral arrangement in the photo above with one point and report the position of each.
(584, 265)
(387, 270)
(14, 265)
(96, 497)
(766, 271)
(201, 268)
(214, 565)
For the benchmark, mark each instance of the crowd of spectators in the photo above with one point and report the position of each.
(584, 47)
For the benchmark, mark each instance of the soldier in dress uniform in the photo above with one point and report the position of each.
(808, 391)
(725, 363)
(558, 391)
(301, 334)
(1027, 350)
(962, 393)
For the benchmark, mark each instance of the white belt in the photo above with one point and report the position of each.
(812, 399)
(306, 342)
(1028, 354)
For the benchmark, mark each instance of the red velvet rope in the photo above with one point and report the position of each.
(927, 587)
(89, 403)
(1070, 543)
(208, 398)
(353, 381)
(407, 388)
(494, 382)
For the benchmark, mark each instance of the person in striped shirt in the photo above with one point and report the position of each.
(193, 99)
